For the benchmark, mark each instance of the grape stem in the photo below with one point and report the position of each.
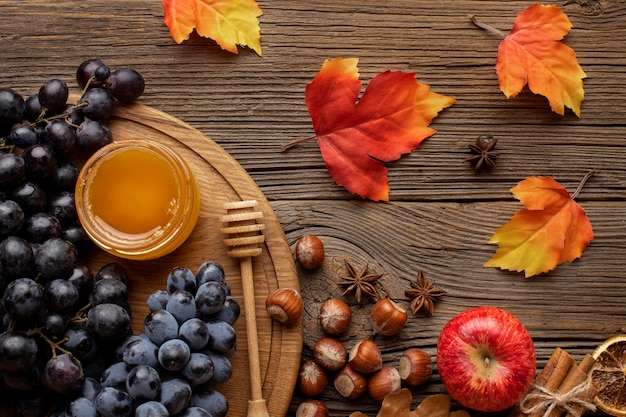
(54, 346)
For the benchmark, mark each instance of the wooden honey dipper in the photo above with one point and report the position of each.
(243, 237)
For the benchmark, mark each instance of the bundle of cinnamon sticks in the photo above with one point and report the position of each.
(562, 387)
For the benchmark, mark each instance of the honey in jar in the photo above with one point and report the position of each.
(137, 199)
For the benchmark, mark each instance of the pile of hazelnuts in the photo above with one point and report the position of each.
(353, 372)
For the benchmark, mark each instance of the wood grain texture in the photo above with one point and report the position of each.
(441, 212)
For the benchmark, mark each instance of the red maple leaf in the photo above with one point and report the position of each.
(356, 138)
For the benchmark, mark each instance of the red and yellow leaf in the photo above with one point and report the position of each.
(356, 138)
(532, 53)
(227, 22)
(552, 229)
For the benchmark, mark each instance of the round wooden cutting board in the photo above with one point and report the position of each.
(221, 179)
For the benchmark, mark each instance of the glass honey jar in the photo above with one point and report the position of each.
(137, 199)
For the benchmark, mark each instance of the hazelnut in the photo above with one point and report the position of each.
(284, 305)
(365, 357)
(335, 316)
(330, 353)
(309, 252)
(312, 379)
(387, 317)
(349, 383)
(312, 408)
(415, 367)
(383, 382)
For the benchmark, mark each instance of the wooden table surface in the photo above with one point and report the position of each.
(441, 212)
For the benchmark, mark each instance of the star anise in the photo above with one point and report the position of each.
(359, 282)
(423, 294)
(483, 154)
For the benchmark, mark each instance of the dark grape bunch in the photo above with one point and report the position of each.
(56, 334)
(174, 367)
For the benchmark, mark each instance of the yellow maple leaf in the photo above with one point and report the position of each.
(552, 229)
(227, 22)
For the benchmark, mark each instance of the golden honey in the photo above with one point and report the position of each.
(137, 199)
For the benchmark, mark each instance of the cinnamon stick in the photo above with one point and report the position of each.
(551, 378)
(584, 367)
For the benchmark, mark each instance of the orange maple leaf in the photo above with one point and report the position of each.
(228, 22)
(551, 230)
(532, 53)
(356, 138)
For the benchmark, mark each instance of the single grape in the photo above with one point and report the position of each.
(64, 374)
(210, 271)
(175, 395)
(109, 290)
(60, 136)
(81, 407)
(113, 402)
(157, 300)
(76, 235)
(55, 258)
(160, 325)
(182, 305)
(115, 376)
(30, 196)
(54, 324)
(126, 84)
(151, 409)
(198, 369)
(91, 388)
(222, 367)
(22, 381)
(86, 70)
(108, 322)
(23, 136)
(12, 169)
(11, 218)
(222, 337)
(98, 104)
(62, 205)
(80, 343)
(61, 295)
(210, 297)
(40, 227)
(11, 106)
(65, 176)
(53, 94)
(181, 278)
(213, 401)
(32, 108)
(17, 258)
(40, 162)
(92, 135)
(23, 298)
(174, 354)
(195, 332)
(18, 352)
(112, 270)
(141, 352)
(143, 383)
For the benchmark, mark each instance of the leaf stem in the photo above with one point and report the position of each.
(295, 142)
(582, 183)
(486, 27)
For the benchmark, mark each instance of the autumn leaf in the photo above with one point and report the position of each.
(357, 137)
(551, 229)
(532, 53)
(227, 22)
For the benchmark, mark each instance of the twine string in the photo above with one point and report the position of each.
(569, 401)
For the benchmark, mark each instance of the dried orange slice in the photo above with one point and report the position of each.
(608, 376)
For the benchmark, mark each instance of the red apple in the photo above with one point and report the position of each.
(486, 359)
